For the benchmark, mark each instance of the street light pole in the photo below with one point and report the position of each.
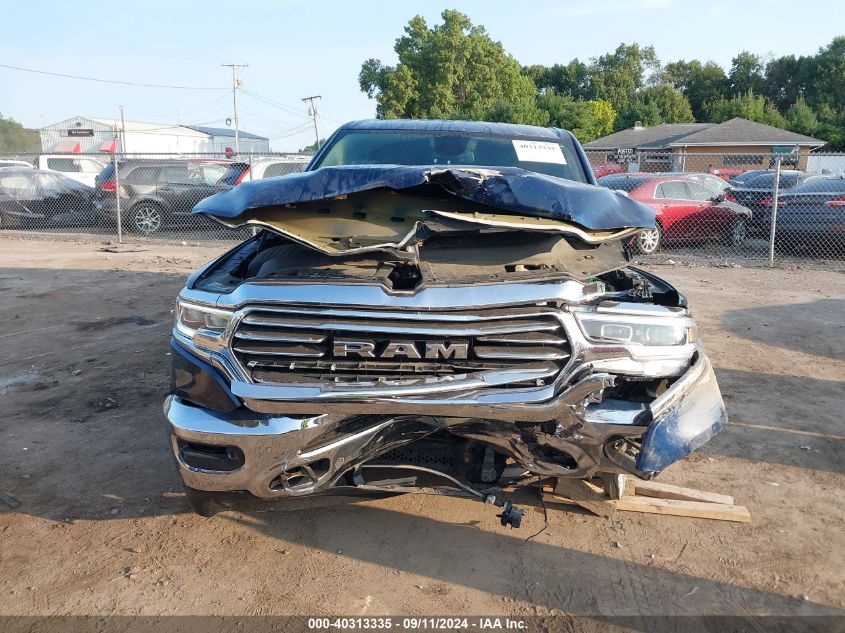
(234, 68)
(312, 110)
(122, 132)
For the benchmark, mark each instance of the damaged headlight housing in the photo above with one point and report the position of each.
(602, 329)
(191, 318)
(649, 326)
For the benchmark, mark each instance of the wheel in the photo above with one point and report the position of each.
(145, 218)
(648, 240)
(738, 232)
(10, 221)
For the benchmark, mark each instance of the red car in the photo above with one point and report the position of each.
(685, 209)
(607, 168)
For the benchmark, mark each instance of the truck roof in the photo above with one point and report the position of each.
(509, 130)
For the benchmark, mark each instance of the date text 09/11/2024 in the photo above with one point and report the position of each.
(416, 623)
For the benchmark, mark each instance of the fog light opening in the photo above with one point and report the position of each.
(211, 457)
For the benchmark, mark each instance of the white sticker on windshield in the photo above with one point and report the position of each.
(539, 152)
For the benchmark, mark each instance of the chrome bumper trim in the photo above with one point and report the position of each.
(277, 443)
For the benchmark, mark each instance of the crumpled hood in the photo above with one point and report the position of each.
(355, 209)
(508, 189)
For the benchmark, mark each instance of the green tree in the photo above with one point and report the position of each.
(451, 70)
(572, 79)
(828, 84)
(604, 118)
(565, 112)
(801, 118)
(746, 74)
(525, 112)
(748, 106)
(616, 77)
(787, 78)
(16, 138)
(832, 127)
(656, 105)
(819, 78)
(310, 149)
(698, 82)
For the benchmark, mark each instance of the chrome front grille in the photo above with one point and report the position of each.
(291, 345)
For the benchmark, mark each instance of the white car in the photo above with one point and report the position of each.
(82, 169)
(264, 167)
(9, 162)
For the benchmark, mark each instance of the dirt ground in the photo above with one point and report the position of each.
(102, 528)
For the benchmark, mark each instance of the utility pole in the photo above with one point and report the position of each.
(234, 68)
(122, 132)
(312, 110)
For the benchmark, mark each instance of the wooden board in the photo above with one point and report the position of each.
(677, 507)
(668, 491)
(589, 496)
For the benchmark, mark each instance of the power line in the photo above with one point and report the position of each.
(157, 129)
(262, 118)
(276, 104)
(108, 81)
(292, 131)
(184, 112)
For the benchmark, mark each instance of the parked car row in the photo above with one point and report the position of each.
(155, 194)
(686, 209)
(83, 169)
(30, 197)
(811, 207)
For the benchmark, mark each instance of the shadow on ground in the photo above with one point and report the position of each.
(84, 358)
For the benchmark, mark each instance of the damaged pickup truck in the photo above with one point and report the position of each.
(432, 306)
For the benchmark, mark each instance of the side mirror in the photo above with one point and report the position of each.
(719, 198)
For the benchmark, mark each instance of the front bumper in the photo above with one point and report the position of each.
(307, 449)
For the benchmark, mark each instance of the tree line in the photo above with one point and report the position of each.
(16, 138)
(454, 70)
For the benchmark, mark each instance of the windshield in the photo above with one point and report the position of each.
(233, 173)
(767, 181)
(822, 185)
(622, 183)
(424, 147)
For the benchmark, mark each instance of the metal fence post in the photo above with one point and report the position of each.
(254, 229)
(773, 228)
(117, 200)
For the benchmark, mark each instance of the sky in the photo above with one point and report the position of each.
(297, 48)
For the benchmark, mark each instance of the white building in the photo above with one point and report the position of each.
(223, 137)
(95, 135)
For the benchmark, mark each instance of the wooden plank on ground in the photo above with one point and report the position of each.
(668, 491)
(677, 507)
(592, 498)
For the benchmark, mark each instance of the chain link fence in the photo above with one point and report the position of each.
(129, 197)
(712, 208)
(745, 208)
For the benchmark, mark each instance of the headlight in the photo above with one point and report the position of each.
(651, 332)
(191, 317)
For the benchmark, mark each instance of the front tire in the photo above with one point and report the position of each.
(145, 218)
(648, 241)
(9, 221)
(738, 232)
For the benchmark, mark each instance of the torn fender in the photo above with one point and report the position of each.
(341, 209)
